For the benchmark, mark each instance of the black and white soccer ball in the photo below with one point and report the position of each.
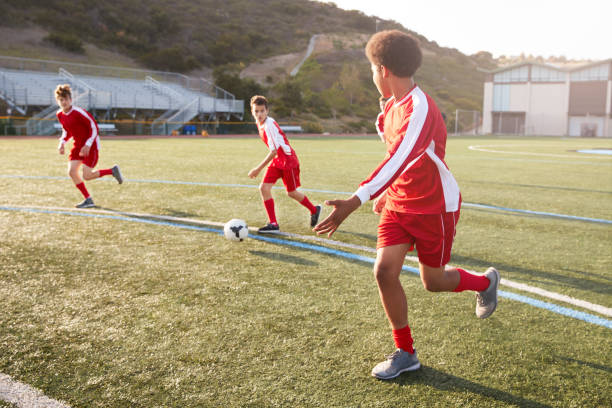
(236, 230)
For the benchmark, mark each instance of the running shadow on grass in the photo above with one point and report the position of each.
(447, 382)
(583, 282)
(588, 364)
(275, 256)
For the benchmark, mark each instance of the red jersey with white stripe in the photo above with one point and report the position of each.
(80, 125)
(273, 136)
(413, 173)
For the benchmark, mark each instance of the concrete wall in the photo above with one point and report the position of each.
(487, 105)
(548, 110)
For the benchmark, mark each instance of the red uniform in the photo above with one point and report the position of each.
(286, 164)
(82, 127)
(423, 198)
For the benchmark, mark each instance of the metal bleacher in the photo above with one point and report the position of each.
(27, 84)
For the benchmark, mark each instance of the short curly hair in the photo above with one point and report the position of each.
(397, 51)
(63, 91)
(259, 100)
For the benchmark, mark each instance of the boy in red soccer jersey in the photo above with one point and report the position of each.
(78, 124)
(420, 198)
(283, 164)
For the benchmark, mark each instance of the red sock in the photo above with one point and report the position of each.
(106, 172)
(81, 187)
(470, 281)
(269, 204)
(306, 203)
(403, 339)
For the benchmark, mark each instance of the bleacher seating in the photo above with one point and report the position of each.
(116, 93)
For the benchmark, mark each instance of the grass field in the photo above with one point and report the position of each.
(108, 312)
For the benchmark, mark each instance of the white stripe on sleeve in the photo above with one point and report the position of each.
(390, 169)
(94, 131)
(276, 137)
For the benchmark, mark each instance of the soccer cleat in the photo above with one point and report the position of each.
(88, 203)
(486, 301)
(117, 174)
(395, 364)
(314, 218)
(270, 228)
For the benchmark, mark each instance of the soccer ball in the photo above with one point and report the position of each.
(236, 230)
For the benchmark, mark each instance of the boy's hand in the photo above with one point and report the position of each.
(61, 149)
(379, 203)
(254, 172)
(342, 209)
(84, 151)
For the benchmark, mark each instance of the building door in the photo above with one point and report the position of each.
(509, 123)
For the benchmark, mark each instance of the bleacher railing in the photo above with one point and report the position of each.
(202, 85)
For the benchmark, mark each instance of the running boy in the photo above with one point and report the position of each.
(78, 124)
(422, 198)
(283, 164)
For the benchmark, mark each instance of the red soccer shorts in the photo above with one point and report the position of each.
(89, 161)
(291, 177)
(433, 234)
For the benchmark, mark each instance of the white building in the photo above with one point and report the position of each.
(541, 99)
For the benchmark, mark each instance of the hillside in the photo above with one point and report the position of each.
(250, 48)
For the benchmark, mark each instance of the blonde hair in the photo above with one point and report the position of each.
(63, 91)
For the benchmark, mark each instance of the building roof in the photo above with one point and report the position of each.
(566, 67)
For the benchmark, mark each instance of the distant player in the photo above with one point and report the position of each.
(78, 124)
(422, 198)
(284, 164)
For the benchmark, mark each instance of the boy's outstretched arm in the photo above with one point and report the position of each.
(342, 209)
(255, 171)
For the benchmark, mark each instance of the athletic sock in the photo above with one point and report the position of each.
(81, 187)
(269, 204)
(471, 281)
(306, 203)
(105, 172)
(403, 339)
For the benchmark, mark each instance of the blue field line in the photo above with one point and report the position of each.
(586, 317)
(312, 190)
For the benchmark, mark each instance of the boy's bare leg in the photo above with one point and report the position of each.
(265, 189)
(89, 173)
(439, 279)
(73, 172)
(387, 269)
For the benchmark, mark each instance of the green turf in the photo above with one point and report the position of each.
(111, 313)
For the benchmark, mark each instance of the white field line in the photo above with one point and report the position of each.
(25, 396)
(606, 311)
(481, 148)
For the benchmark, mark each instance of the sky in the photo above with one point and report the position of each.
(578, 29)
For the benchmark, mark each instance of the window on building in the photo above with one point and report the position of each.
(501, 98)
(543, 74)
(596, 73)
(520, 74)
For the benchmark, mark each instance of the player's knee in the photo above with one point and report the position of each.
(431, 284)
(292, 194)
(384, 273)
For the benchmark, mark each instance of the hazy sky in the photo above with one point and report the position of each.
(578, 29)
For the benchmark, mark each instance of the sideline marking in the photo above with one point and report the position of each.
(203, 183)
(481, 148)
(516, 285)
(25, 396)
(589, 318)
